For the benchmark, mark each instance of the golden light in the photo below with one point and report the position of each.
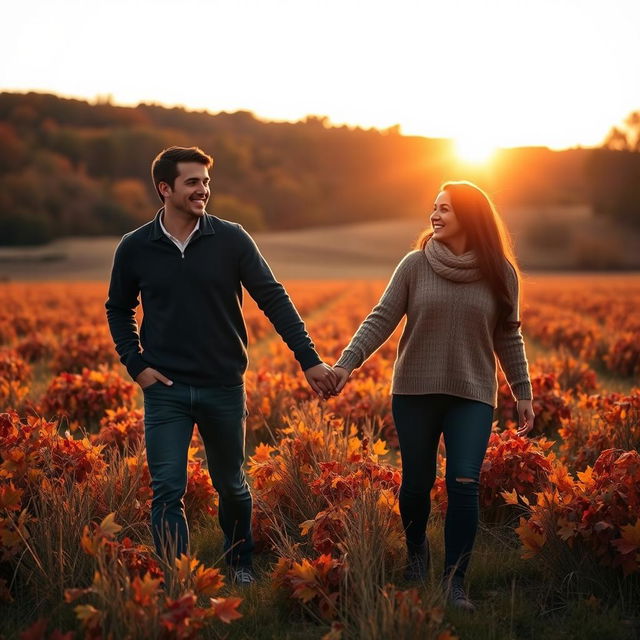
(474, 150)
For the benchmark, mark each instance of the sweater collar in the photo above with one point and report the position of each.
(206, 226)
(462, 268)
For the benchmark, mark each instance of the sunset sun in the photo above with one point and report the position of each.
(474, 150)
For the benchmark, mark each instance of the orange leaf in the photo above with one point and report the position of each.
(510, 497)
(225, 609)
(10, 497)
(185, 565)
(531, 539)
(630, 540)
(262, 453)
(145, 590)
(586, 476)
(380, 448)
(208, 581)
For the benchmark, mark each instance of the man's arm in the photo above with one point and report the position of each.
(121, 305)
(275, 303)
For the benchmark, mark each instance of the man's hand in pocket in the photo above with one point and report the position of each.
(149, 375)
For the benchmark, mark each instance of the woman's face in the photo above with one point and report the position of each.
(446, 227)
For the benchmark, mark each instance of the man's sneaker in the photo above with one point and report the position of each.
(456, 595)
(417, 562)
(241, 576)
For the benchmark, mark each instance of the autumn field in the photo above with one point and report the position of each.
(558, 552)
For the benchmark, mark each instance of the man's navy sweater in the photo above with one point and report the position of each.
(193, 330)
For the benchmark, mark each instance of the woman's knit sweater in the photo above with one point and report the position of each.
(450, 341)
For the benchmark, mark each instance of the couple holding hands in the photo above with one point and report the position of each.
(459, 291)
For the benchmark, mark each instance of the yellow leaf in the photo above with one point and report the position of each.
(108, 527)
(380, 448)
(306, 526)
(87, 614)
(303, 571)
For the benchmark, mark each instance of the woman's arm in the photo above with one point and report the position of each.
(509, 347)
(380, 323)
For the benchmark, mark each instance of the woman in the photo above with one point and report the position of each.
(459, 290)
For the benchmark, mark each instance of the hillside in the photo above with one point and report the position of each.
(365, 250)
(70, 168)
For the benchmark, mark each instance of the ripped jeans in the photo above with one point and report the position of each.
(466, 425)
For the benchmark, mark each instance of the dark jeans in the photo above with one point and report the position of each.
(466, 425)
(220, 412)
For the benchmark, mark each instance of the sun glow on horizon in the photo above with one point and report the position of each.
(474, 150)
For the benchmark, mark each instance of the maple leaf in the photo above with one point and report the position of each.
(586, 476)
(388, 500)
(108, 527)
(630, 540)
(10, 497)
(185, 565)
(380, 448)
(90, 543)
(565, 529)
(279, 573)
(225, 609)
(262, 453)
(208, 580)
(531, 539)
(145, 589)
(510, 497)
(303, 570)
(305, 527)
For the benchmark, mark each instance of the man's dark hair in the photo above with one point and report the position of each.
(164, 167)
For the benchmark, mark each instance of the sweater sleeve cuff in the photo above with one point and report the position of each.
(308, 358)
(135, 365)
(349, 360)
(522, 391)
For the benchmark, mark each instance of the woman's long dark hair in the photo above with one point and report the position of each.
(487, 236)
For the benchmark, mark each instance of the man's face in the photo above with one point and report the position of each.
(190, 192)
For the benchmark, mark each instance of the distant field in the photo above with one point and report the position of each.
(545, 238)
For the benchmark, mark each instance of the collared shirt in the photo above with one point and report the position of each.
(181, 245)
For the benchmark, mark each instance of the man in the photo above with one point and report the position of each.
(190, 357)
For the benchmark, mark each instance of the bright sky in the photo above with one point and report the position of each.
(485, 72)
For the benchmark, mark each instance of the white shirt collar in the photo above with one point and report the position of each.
(166, 233)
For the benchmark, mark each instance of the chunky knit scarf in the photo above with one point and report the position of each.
(462, 268)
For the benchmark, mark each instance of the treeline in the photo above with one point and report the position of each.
(68, 167)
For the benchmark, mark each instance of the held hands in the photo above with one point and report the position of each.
(321, 379)
(325, 380)
(149, 375)
(526, 417)
(342, 376)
